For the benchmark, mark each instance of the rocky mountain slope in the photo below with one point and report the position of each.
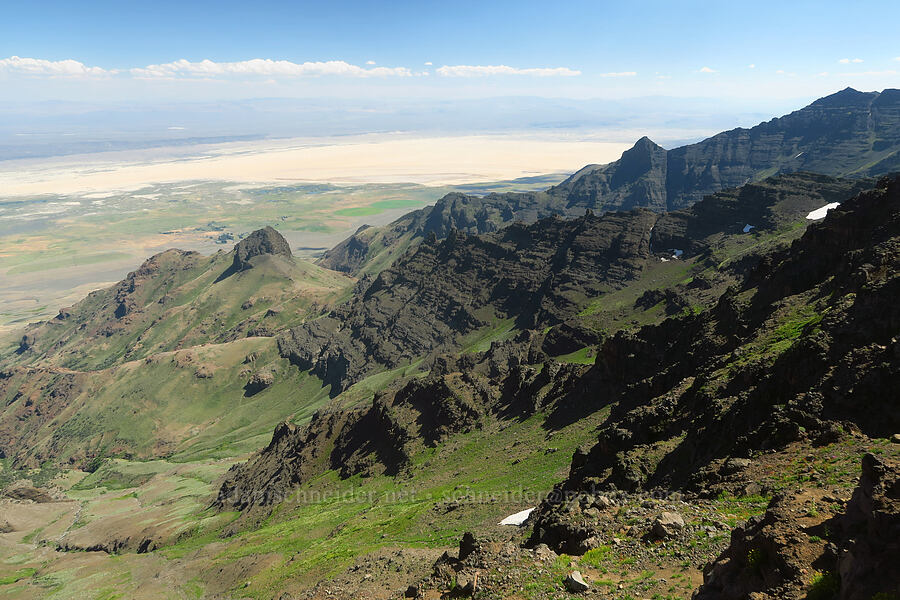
(710, 407)
(536, 276)
(799, 351)
(848, 133)
(622, 376)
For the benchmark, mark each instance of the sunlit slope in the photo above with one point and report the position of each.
(179, 299)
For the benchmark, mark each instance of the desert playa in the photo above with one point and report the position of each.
(363, 159)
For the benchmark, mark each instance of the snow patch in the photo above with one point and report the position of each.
(820, 213)
(748, 227)
(519, 518)
(676, 253)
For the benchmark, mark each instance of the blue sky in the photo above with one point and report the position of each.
(102, 50)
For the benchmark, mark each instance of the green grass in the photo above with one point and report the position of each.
(330, 522)
(18, 576)
(824, 586)
(585, 356)
(379, 207)
(481, 339)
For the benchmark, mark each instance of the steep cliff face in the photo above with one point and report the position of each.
(848, 133)
(539, 275)
(638, 179)
(833, 135)
(536, 274)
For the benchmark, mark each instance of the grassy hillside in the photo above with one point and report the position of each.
(179, 300)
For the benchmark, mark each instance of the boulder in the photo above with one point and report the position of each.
(543, 552)
(603, 502)
(259, 381)
(467, 583)
(575, 583)
(668, 524)
(735, 465)
(468, 545)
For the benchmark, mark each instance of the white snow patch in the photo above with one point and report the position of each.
(748, 227)
(663, 259)
(519, 518)
(676, 253)
(820, 213)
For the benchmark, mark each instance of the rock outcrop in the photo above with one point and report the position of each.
(265, 241)
(787, 554)
(456, 397)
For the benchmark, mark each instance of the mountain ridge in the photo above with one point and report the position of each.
(848, 133)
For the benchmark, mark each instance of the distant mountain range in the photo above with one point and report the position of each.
(846, 134)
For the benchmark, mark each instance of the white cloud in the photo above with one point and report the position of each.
(870, 73)
(751, 66)
(897, 58)
(57, 68)
(822, 74)
(263, 67)
(485, 70)
(429, 63)
(707, 70)
(370, 62)
(619, 74)
(847, 61)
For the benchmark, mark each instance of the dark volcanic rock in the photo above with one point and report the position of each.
(536, 274)
(797, 351)
(803, 351)
(260, 242)
(454, 398)
(832, 136)
(772, 556)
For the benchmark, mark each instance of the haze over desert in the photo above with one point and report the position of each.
(434, 161)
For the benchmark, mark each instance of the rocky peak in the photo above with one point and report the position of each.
(260, 242)
(847, 96)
